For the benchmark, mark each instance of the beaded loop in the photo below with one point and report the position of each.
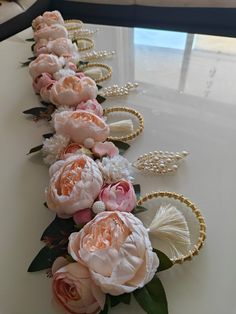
(98, 65)
(134, 112)
(197, 213)
(75, 24)
(87, 40)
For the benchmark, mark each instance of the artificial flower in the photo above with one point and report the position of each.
(48, 18)
(41, 81)
(60, 47)
(80, 125)
(45, 63)
(74, 185)
(118, 196)
(91, 105)
(119, 241)
(53, 148)
(105, 149)
(45, 92)
(115, 168)
(75, 292)
(51, 32)
(83, 216)
(70, 91)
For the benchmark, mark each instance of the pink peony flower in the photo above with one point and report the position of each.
(80, 125)
(105, 149)
(75, 292)
(45, 63)
(45, 92)
(70, 91)
(48, 18)
(74, 185)
(80, 75)
(41, 81)
(117, 251)
(83, 216)
(91, 105)
(118, 196)
(51, 32)
(41, 47)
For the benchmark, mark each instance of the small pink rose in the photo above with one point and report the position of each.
(41, 81)
(83, 216)
(119, 196)
(80, 75)
(91, 105)
(45, 92)
(105, 149)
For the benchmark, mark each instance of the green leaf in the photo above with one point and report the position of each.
(32, 58)
(58, 231)
(139, 209)
(35, 149)
(152, 297)
(115, 300)
(36, 111)
(26, 63)
(99, 87)
(32, 47)
(43, 260)
(100, 99)
(47, 135)
(122, 146)
(157, 292)
(165, 262)
(125, 298)
(107, 306)
(45, 204)
(137, 190)
(81, 63)
(29, 39)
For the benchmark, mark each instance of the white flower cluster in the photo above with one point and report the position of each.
(53, 146)
(115, 168)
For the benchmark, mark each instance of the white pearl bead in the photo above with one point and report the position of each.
(89, 142)
(98, 207)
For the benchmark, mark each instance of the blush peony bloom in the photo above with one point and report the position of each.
(80, 125)
(70, 91)
(118, 196)
(48, 18)
(91, 105)
(45, 63)
(74, 185)
(105, 149)
(75, 292)
(116, 248)
(51, 32)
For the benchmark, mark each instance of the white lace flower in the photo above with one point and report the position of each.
(53, 146)
(115, 168)
(62, 73)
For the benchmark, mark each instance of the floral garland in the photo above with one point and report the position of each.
(96, 250)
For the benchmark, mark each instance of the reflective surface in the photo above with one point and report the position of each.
(187, 97)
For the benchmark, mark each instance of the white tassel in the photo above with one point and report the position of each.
(122, 126)
(170, 226)
(94, 73)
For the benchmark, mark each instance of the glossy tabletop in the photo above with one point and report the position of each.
(187, 96)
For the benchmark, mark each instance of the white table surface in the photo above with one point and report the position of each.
(188, 100)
